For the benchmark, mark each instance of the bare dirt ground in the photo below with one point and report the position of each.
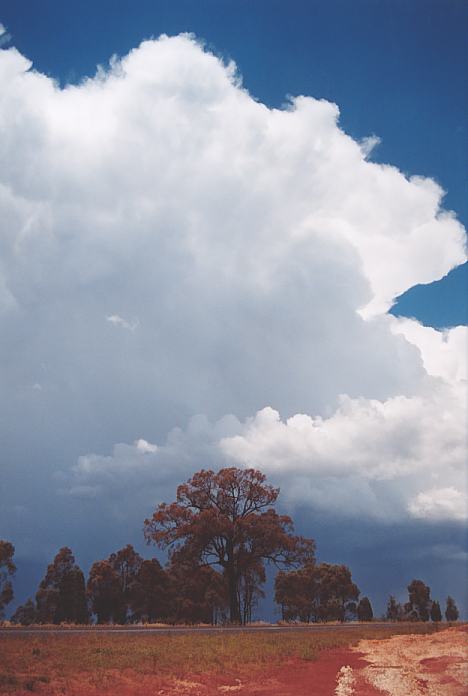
(403, 665)
(433, 665)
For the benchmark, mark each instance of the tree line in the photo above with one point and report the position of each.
(420, 606)
(220, 533)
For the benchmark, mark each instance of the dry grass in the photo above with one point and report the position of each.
(39, 662)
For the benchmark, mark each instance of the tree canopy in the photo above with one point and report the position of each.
(226, 519)
(436, 614)
(451, 610)
(104, 593)
(61, 596)
(394, 610)
(419, 601)
(324, 592)
(364, 610)
(25, 614)
(150, 597)
(126, 588)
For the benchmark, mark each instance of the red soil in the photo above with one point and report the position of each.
(408, 665)
(295, 678)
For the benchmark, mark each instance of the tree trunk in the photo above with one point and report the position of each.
(234, 614)
(234, 610)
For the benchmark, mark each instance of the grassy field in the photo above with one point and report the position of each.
(97, 662)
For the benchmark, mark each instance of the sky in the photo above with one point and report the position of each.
(232, 234)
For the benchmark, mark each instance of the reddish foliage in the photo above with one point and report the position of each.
(322, 592)
(61, 595)
(226, 519)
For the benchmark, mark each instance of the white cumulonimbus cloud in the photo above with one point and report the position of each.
(260, 249)
(371, 459)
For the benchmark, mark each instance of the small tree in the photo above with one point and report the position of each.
(250, 589)
(61, 596)
(296, 592)
(7, 571)
(337, 592)
(419, 602)
(394, 610)
(105, 593)
(150, 598)
(114, 586)
(436, 614)
(126, 563)
(364, 610)
(25, 614)
(451, 610)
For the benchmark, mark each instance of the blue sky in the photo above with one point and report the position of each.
(192, 279)
(395, 68)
